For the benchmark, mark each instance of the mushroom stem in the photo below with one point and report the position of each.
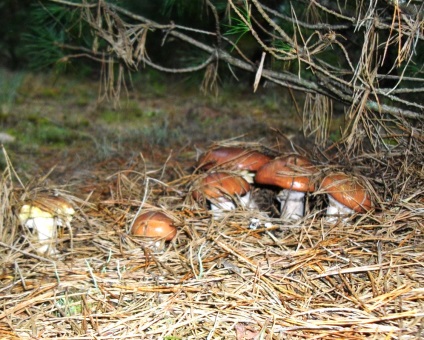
(335, 210)
(46, 230)
(220, 205)
(292, 204)
(247, 201)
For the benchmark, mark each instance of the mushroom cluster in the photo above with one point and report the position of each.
(44, 214)
(224, 181)
(230, 172)
(224, 184)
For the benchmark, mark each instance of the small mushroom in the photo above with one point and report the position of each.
(44, 215)
(346, 195)
(294, 175)
(243, 161)
(154, 226)
(223, 190)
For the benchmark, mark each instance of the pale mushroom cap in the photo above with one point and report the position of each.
(29, 211)
(233, 158)
(154, 224)
(347, 190)
(47, 207)
(293, 172)
(220, 184)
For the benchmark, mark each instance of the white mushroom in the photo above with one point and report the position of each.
(44, 215)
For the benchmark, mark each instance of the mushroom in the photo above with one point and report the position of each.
(293, 174)
(346, 195)
(243, 161)
(155, 226)
(223, 190)
(43, 215)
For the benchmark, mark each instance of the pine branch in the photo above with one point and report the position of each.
(325, 80)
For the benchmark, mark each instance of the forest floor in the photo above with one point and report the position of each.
(61, 123)
(218, 279)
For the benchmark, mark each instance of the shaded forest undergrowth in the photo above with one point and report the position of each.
(217, 279)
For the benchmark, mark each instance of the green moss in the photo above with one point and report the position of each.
(130, 113)
(51, 134)
(132, 109)
(70, 305)
(51, 92)
(335, 136)
(35, 130)
(76, 122)
(390, 142)
(111, 116)
(151, 81)
(83, 100)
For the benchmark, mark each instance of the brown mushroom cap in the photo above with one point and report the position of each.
(293, 172)
(233, 158)
(219, 184)
(154, 224)
(347, 190)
